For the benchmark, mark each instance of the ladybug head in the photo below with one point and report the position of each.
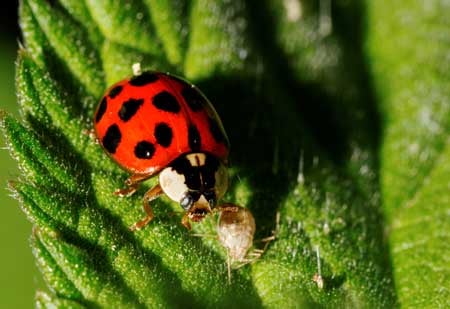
(195, 180)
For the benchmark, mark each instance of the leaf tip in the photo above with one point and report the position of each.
(5, 117)
(3, 114)
(12, 185)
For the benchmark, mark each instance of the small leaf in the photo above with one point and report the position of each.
(59, 28)
(419, 239)
(411, 71)
(95, 281)
(125, 23)
(414, 94)
(80, 12)
(53, 275)
(170, 21)
(35, 39)
(218, 42)
(38, 160)
(43, 300)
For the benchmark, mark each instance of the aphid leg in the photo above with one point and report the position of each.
(251, 257)
(268, 239)
(255, 254)
(132, 184)
(203, 235)
(149, 196)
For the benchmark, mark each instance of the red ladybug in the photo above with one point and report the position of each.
(156, 123)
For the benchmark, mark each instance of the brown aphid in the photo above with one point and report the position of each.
(235, 231)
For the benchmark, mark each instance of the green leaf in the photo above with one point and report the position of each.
(118, 59)
(170, 21)
(338, 117)
(94, 280)
(59, 28)
(117, 20)
(43, 300)
(218, 38)
(80, 12)
(411, 72)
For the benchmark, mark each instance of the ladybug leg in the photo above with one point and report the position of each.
(149, 196)
(132, 184)
(185, 221)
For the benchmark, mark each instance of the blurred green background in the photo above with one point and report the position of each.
(19, 277)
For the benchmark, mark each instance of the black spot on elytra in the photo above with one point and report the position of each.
(166, 102)
(194, 138)
(115, 91)
(163, 134)
(144, 79)
(112, 138)
(144, 150)
(193, 98)
(216, 131)
(101, 110)
(129, 108)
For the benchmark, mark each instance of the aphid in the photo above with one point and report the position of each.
(235, 231)
(158, 124)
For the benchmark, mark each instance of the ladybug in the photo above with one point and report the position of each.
(159, 124)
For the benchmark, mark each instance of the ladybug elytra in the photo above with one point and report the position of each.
(156, 123)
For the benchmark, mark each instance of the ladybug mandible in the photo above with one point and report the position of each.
(156, 123)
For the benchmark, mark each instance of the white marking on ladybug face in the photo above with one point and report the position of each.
(196, 159)
(173, 184)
